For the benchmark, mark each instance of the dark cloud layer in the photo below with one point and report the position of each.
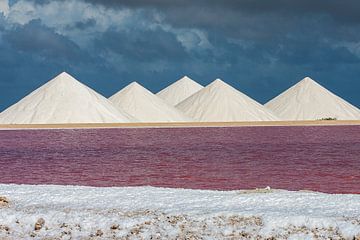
(36, 38)
(344, 11)
(129, 45)
(260, 47)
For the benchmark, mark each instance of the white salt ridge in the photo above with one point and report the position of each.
(179, 90)
(159, 213)
(219, 102)
(308, 100)
(63, 100)
(145, 106)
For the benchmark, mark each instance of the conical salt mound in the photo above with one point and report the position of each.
(179, 90)
(219, 102)
(63, 100)
(145, 106)
(308, 100)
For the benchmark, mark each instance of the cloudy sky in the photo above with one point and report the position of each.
(260, 47)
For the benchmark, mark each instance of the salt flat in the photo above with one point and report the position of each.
(145, 212)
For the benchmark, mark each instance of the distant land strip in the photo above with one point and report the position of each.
(180, 124)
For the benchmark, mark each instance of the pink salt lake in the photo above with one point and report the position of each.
(320, 158)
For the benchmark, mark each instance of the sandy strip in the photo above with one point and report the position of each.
(180, 125)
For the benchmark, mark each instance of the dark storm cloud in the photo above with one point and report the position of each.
(83, 25)
(343, 11)
(257, 20)
(36, 38)
(155, 44)
(340, 10)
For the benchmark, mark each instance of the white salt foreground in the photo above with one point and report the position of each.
(308, 100)
(146, 106)
(160, 213)
(179, 90)
(63, 100)
(219, 102)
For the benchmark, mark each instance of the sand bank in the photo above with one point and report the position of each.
(180, 125)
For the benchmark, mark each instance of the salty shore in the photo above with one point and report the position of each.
(181, 124)
(75, 212)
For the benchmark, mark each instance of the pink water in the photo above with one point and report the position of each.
(318, 158)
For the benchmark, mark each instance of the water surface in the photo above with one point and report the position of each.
(321, 158)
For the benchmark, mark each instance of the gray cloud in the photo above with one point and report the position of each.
(155, 44)
(256, 20)
(83, 25)
(344, 11)
(36, 38)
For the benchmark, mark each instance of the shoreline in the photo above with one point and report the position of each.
(181, 124)
(267, 189)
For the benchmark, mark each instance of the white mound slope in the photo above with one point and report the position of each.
(308, 100)
(145, 106)
(63, 100)
(219, 102)
(179, 90)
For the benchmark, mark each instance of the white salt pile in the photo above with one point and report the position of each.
(219, 102)
(179, 90)
(63, 100)
(145, 106)
(308, 100)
